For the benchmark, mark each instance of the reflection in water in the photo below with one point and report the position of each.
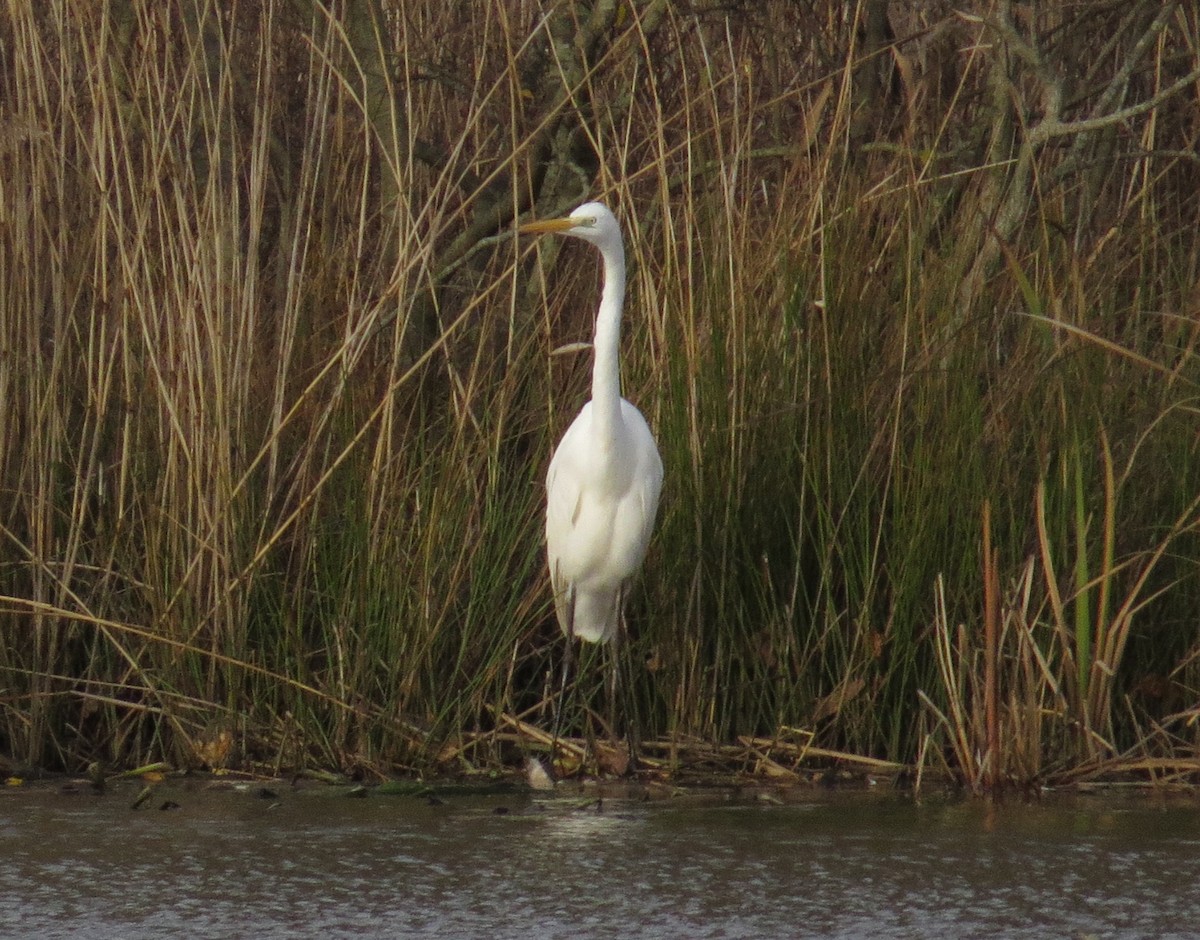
(846, 866)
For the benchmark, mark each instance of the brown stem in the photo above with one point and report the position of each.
(991, 651)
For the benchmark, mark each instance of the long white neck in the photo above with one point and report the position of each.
(606, 365)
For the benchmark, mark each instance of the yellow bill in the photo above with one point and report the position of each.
(546, 226)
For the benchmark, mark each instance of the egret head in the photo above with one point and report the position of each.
(593, 222)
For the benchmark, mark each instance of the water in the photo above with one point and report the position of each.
(315, 863)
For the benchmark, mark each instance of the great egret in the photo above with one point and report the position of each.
(606, 475)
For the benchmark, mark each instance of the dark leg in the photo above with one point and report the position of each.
(620, 692)
(568, 653)
(615, 685)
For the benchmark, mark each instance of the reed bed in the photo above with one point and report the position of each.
(915, 323)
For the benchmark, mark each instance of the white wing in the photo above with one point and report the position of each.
(600, 510)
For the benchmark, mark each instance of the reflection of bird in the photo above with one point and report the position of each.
(604, 479)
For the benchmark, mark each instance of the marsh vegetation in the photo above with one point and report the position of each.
(913, 311)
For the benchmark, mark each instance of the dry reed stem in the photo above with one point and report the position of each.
(279, 410)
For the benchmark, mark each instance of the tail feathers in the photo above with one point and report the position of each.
(595, 614)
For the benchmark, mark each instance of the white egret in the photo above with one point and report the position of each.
(605, 476)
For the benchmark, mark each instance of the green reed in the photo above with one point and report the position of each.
(275, 437)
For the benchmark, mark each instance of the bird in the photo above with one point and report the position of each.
(606, 475)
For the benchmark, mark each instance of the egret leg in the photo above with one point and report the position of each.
(620, 695)
(568, 654)
(614, 678)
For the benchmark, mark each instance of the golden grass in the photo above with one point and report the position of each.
(278, 398)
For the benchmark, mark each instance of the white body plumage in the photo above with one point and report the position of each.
(605, 477)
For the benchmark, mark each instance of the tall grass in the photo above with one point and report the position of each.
(279, 404)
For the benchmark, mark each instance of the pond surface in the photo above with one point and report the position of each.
(228, 863)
